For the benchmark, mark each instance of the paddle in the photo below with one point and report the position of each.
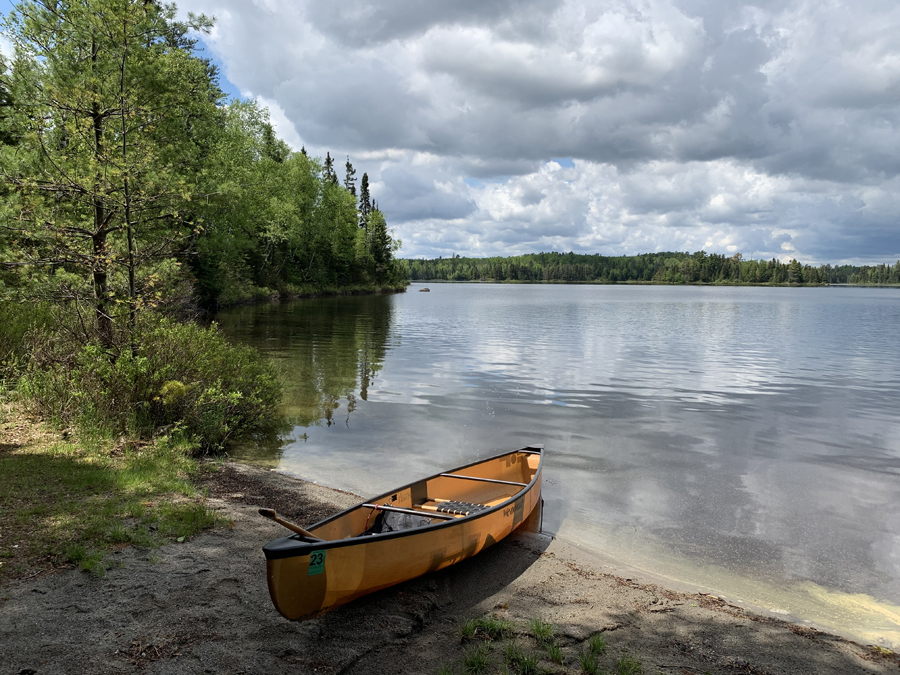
(271, 515)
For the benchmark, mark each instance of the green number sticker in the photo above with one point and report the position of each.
(316, 563)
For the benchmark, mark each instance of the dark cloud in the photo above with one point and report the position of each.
(691, 122)
(362, 23)
(413, 196)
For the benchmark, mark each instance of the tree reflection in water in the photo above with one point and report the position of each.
(328, 352)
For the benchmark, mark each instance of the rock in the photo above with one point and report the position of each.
(424, 290)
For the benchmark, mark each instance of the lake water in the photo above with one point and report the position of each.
(745, 441)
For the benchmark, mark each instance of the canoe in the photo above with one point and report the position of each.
(415, 529)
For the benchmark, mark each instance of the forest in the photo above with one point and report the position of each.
(658, 268)
(134, 196)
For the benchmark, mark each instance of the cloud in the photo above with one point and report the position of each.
(772, 128)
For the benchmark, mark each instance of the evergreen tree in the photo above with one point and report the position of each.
(273, 147)
(795, 272)
(350, 178)
(329, 169)
(380, 245)
(7, 134)
(365, 202)
(115, 113)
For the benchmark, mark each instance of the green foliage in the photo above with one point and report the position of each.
(180, 376)
(118, 161)
(272, 225)
(17, 320)
(113, 113)
(664, 268)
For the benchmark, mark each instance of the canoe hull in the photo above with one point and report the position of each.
(307, 578)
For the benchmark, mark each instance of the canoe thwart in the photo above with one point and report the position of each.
(412, 512)
(485, 480)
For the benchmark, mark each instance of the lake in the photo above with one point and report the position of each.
(744, 441)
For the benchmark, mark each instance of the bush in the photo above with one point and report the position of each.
(17, 320)
(182, 378)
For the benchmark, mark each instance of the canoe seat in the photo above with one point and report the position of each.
(453, 507)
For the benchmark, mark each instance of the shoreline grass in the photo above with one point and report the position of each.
(495, 644)
(66, 502)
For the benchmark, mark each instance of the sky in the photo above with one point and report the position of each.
(501, 127)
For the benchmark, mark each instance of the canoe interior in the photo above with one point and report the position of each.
(426, 496)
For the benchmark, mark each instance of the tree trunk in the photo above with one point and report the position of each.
(100, 262)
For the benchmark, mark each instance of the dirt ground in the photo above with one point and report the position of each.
(203, 607)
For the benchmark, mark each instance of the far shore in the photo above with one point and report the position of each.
(203, 605)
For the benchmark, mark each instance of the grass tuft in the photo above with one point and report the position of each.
(589, 663)
(597, 644)
(543, 632)
(512, 653)
(628, 665)
(528, 665)
(476, 659)
(490, 627)
(554, 653)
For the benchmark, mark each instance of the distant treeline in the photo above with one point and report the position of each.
(658, 268)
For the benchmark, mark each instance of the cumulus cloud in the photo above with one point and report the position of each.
(771, 128)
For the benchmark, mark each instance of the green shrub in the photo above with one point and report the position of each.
(178, 377)
(17, 320)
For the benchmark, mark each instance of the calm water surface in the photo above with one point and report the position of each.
(742, 440)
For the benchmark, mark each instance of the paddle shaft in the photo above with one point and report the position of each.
(271, 515)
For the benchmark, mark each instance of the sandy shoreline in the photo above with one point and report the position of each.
(203, 606)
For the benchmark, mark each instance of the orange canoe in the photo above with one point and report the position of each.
(404, 533)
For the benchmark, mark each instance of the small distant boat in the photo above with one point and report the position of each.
(418, 528)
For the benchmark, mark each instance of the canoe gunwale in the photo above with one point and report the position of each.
(296, 545)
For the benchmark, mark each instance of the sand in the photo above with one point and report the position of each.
(203, 607)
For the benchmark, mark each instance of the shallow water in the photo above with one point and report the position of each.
(743, 440)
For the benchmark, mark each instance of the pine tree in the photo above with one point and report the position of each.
(117, 113)
(795, 272)
(365, 203)
(350, 178)
(329, 169)
(380, 245)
